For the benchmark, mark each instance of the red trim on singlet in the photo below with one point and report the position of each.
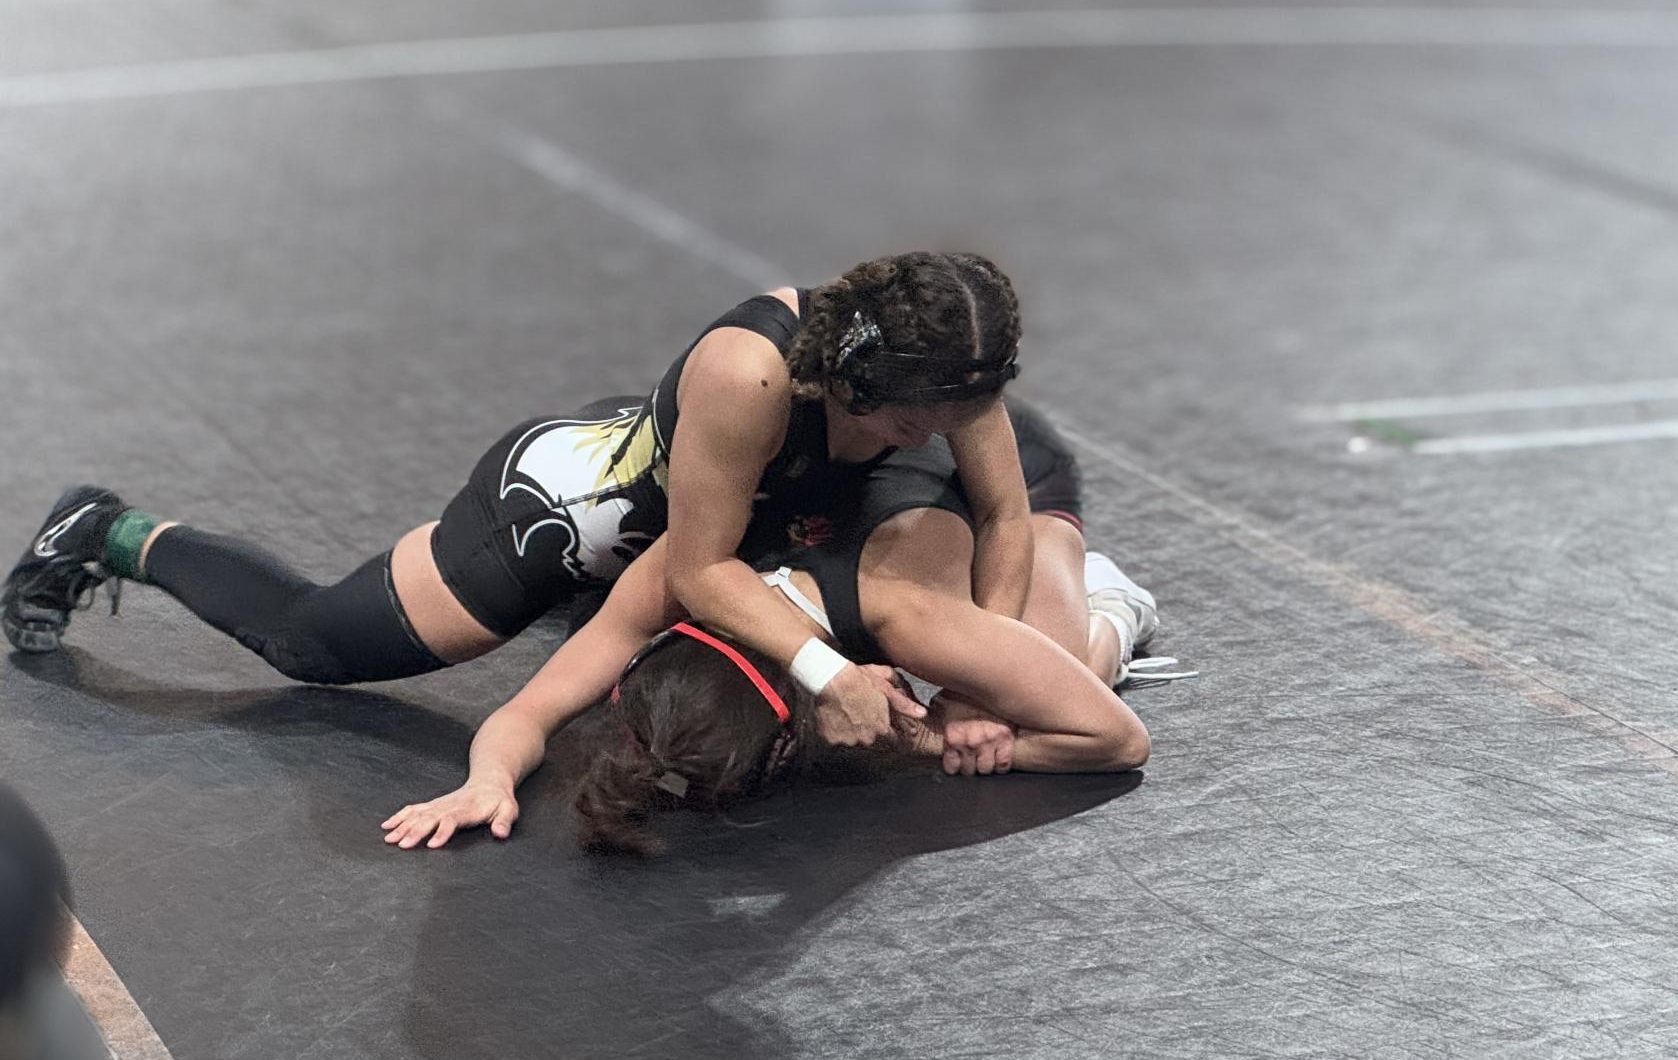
(1077, 523)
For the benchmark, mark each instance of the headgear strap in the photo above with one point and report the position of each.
(863, 343)
(776, 703)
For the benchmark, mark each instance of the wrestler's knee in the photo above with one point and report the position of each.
(299, 655)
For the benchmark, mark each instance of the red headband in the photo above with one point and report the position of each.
(776, 703)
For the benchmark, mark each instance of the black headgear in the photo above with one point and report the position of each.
(878, 375)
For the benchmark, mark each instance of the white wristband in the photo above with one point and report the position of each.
(815, 666)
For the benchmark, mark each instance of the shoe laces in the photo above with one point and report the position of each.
(84, 587)
(1154, 671)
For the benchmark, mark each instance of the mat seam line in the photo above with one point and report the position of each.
(1391, 604)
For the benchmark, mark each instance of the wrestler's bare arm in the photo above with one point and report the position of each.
(511, 742)
(987, 458)
(1069, 720)
(916, 600)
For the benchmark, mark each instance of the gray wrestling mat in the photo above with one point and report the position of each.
(284, 269)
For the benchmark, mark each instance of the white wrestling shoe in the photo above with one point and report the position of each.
(1134, 616)
(1130, 607)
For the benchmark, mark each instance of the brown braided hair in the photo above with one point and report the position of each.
(934, 312)
(695, 732)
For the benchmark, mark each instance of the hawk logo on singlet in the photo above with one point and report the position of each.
(569, 465)
(46, 546)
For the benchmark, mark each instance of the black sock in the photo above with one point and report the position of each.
(352, 631)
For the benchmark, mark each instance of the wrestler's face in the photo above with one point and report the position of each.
(912, 426)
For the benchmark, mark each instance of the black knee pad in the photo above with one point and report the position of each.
(298, 656)
(341, 634)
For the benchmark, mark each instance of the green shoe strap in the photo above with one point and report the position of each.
(125, 540)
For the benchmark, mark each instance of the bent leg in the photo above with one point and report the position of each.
(438, 617)
(449, 591)
(353, 630)
(1058, 603)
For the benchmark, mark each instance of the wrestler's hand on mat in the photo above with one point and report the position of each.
(468, 806)
(855, 708)
(976, 742)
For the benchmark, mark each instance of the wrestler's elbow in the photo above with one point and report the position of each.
(1127, 745)
(1133, 751)
(690, 581)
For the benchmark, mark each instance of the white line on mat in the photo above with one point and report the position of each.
(861, 35)
(1550, 439)
(1561, 397)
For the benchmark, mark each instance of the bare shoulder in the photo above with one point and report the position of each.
(991, 430)
(928, 548)
(738, 364)
(914, 578)
(734, 361)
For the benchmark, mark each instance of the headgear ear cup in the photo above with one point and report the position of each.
(860, 344)
(878, 375)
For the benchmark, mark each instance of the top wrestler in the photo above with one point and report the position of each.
(773, 393)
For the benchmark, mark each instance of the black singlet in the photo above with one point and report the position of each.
(825, 534)
(805, 448)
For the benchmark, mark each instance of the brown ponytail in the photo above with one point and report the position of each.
(618, 794)
(695, 732)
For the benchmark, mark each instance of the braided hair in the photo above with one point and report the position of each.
(918, 328)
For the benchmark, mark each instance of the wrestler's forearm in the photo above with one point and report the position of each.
(1054, 752)
(916, 736)
(1069, 719)
(507, 748)
(1002, 563)
(729, 596)
(1037, 751)
(512, 741)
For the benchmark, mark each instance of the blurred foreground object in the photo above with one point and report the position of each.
(39, 1018)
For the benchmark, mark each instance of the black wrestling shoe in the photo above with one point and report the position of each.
(60, 571)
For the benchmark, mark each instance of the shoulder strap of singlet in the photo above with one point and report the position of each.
(762, 314)
(911, 481)
(781, 578)
(837, 576)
